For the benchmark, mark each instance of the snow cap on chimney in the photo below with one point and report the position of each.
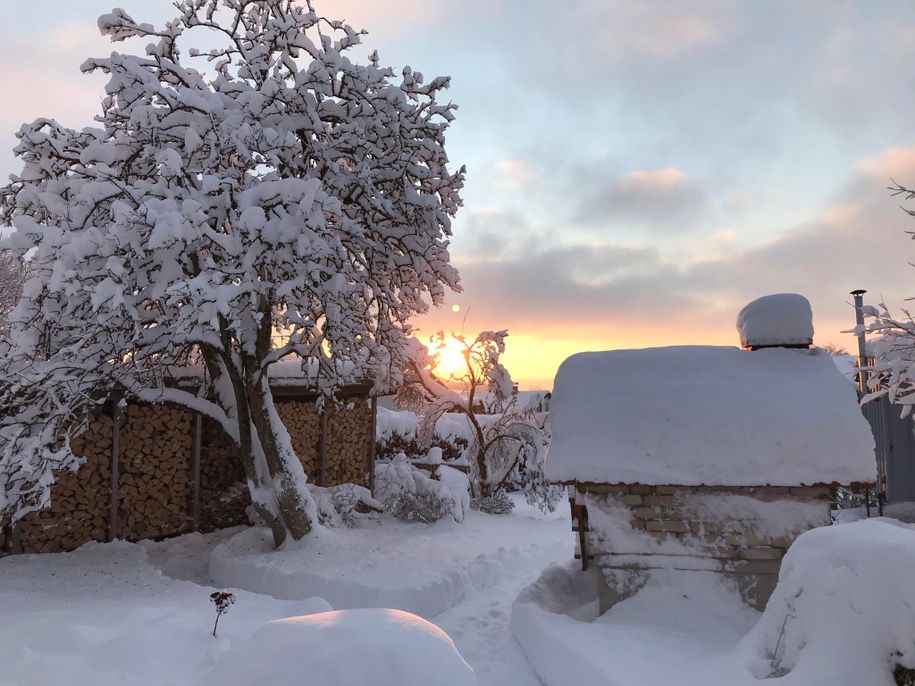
(778, 320)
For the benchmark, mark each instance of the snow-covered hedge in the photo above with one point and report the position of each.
(396, 433)
(844, 608)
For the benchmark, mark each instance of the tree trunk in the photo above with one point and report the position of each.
(295, 508)
(482, 467)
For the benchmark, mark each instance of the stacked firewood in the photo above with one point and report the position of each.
(348, 442)
(156, 473)
(155, 465)
(80, 501)
(224, 491)
(303, 423)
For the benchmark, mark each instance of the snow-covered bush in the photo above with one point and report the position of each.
(271, 198)
(367, 646)
(843, 592)
(409, 493)
(337, 505)
(496, 504)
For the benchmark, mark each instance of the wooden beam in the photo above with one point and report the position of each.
(195, 503)
(322, 446)
(15, 539)
(115, 470)
(374, 424)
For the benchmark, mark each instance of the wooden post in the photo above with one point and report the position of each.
(15, 539)
(322, 446)
(374, 426)
(10, 539)
(195, 503)
(115, 470)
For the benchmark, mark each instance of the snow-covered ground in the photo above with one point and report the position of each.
(140, 613)
(842, 615)
(519, 612)
(425, 569)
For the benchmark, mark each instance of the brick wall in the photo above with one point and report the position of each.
(741, 532)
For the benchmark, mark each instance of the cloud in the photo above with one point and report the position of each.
(610, 295)
(391, 16)
(639, 30)
(897, 162)
(516, 173)
(666, 197)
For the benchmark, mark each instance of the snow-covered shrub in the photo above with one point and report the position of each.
(496, 504)
(843, 590)
(459, 485)
(419, 507)
(337, 505)
(409, 493)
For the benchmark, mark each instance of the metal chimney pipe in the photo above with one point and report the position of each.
(862, 342)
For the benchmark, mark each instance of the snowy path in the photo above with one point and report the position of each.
(479, 625)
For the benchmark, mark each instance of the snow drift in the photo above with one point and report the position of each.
(844, 608)
(345, 648)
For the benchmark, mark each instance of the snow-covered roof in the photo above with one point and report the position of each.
(695, 415)
(287, 372)
(778, 319)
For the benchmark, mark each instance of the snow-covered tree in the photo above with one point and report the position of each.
(503, 443)
(266, 198)
(12, 274)
(893, 369)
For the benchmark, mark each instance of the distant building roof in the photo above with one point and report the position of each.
(697, 415)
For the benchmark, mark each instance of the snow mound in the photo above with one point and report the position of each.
(345, 648)
(779, 319)
(844, 592)
(720, 416)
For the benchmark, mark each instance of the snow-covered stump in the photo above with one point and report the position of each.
(739, 533)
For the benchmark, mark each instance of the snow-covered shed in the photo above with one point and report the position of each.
(706, 458)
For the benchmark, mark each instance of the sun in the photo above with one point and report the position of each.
(449, 358)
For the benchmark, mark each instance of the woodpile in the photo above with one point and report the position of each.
(303, 423)
(348, 443)
(80, 502)
(155, 468)
(155, 463)
(224, 491)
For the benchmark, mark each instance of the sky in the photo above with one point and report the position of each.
(636, 172)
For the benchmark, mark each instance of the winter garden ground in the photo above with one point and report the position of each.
(140, 614)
